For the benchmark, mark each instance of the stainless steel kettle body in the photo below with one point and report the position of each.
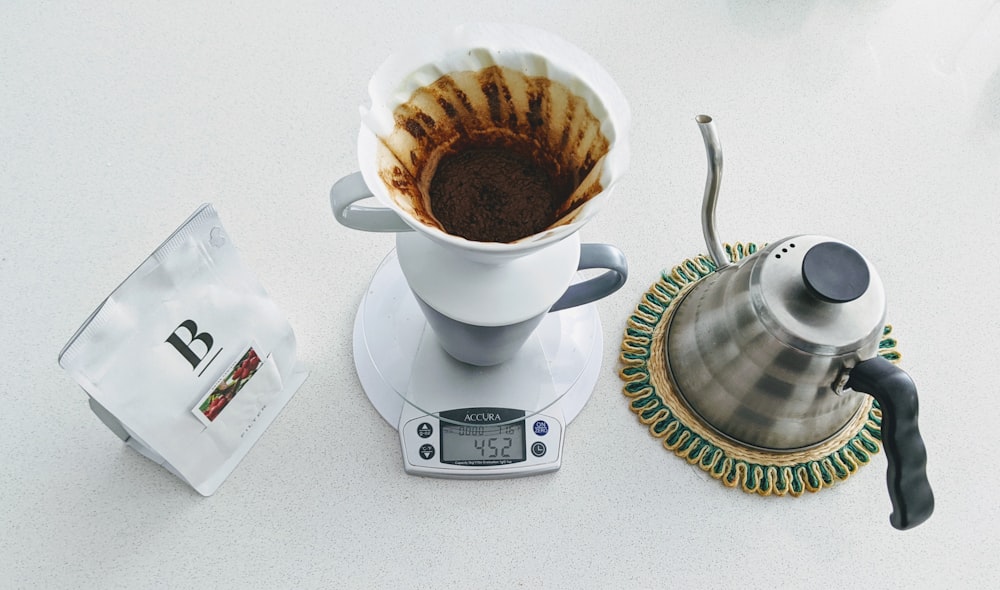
(778, 350)
(764, 361)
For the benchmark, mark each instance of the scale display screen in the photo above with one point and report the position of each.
(486, 436)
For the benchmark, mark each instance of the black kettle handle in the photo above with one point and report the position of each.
(909, 490)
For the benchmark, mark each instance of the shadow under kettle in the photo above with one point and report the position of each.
(778, 350)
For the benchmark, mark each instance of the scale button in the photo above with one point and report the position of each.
(541, 427)
(425, 430)
(538, 448)
(427, 452)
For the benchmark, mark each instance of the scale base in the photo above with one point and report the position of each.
(462, 421)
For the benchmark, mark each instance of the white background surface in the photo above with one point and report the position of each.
(875, 121)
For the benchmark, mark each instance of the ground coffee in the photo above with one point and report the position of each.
(493, 155)
(493, 194)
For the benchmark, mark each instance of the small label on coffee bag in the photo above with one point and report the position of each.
(225, 389)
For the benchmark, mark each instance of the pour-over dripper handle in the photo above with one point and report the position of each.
(352, 188)
(909, 490)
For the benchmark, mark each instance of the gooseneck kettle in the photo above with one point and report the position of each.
(778, 350)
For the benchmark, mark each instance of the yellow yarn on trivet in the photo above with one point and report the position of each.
(657, 405)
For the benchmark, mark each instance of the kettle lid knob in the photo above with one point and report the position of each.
(834, 272)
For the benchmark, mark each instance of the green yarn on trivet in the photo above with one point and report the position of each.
(657, 405)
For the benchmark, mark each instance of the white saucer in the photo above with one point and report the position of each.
(400, 362)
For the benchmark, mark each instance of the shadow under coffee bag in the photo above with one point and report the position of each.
(188, 360)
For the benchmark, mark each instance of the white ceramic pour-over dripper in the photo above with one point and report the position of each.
(530, 53)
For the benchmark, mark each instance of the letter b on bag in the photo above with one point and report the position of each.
(185, 347)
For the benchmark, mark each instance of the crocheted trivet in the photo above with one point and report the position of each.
(668, 417)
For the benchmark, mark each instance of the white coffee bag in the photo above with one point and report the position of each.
(188, 360)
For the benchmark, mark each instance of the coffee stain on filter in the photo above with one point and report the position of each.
(494, 107)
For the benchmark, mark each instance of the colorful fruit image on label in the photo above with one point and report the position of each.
(210, 406)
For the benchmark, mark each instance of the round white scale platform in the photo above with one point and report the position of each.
(461, 421)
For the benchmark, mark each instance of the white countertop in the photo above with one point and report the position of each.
(877, 122)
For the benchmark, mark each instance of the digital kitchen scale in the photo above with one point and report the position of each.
(462, 421)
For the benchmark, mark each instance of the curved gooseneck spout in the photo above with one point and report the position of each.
(714, 151)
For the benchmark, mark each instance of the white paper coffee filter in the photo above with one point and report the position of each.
(473, 47)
